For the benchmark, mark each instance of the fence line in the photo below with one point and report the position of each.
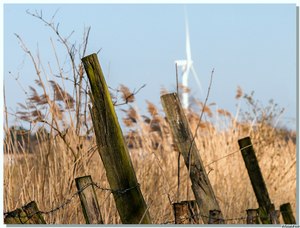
(119, 192)
(230, 219)
(122, 191)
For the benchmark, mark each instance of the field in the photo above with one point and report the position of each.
(47, 175)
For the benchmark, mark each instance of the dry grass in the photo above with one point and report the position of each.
(47, 176)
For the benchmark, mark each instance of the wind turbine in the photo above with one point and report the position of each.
(186, 66)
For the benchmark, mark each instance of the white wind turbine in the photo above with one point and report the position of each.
(186, 66)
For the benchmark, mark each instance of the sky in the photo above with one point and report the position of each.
(250, 45)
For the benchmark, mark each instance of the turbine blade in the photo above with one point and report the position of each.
(188, 46)
(197, 80)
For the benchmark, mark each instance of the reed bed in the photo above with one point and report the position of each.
(47, 175)
(42, 164)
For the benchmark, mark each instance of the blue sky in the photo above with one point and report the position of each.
(251, 45)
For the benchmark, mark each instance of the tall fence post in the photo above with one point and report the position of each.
(287, 214)
(183, 137)
(254, 172)
(89, 202)
(112, 148)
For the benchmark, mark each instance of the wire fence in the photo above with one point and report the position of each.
(123, 191)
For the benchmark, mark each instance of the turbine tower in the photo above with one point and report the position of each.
(186, 66)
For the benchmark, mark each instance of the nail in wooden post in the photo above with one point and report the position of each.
(252, 216)
(32, 208)
(112, 148)
(183, 137)
(89, 202)
(215, 217)
(254, 172)
(287, 214)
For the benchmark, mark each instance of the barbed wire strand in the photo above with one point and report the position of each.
(230, 219)
(119, 192)
(122, 191)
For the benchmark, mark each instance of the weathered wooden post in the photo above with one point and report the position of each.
(183, 137)
(287, 214)
(112, 148)
(274, 214)
(10, 219)
(263, 215)
(254, 172)
(32, 208)
(252, 216)
(215, 217)
(185, 209)
(89, 201)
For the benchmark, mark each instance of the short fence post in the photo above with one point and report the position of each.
(183, 210)
(32, 208)
(252, 217)
(89, 202)
(287, 214)
(10, 219)
(215, 217)
(274, 215)
(183, 137)
(263, 215)
(112, 148)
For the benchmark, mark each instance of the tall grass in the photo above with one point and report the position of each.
(64, 148)
(47, 175)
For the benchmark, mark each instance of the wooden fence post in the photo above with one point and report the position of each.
(252, 216)
(32, 208)
(183, 137)
(89, 202)
(287, 214)
(273, 213)
(215, 217)
(10, 219)
(185, 209)
(264, 218)
(254, 172)
(112, 148)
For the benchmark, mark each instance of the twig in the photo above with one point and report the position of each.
(126, 100)
(190, 154)
(145, 212)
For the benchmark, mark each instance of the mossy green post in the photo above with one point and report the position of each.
(10, 219)
(112, 148)
(264, 217)
(89, 201)
(287, 214)
(183, 137)
(254, 172)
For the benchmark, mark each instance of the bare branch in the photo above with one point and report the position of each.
(126, 97)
